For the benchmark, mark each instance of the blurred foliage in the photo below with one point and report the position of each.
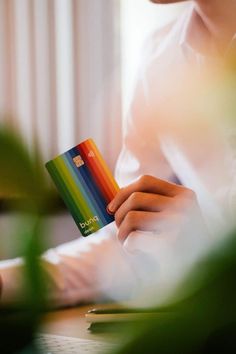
(23, 181)
(201, 317)
(21, 172)
(23, 185)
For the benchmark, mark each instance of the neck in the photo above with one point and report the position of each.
(220, 19)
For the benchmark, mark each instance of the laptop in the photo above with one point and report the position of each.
(54, 344)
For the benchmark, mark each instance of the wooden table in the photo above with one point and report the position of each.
(72, 323)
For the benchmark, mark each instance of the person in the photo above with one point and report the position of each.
(174, 184)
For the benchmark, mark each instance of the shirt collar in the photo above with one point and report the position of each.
(196, 39)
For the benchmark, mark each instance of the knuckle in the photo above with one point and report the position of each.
(144, 181)
(120, 191)
(189, 194)
(134, 198)
(130, 218)
(186, 198)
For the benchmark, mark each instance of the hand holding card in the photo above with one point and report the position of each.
(86, 185)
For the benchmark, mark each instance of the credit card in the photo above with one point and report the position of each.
(86, 185)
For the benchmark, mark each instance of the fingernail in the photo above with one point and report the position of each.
(109, 210)
(111, 205)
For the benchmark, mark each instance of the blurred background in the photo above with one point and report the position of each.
(67, 69)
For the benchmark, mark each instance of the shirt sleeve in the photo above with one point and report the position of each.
(84, 270)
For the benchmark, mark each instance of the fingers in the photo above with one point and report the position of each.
(146, 184)
(142, 202)
(142, 221)
(150, 204)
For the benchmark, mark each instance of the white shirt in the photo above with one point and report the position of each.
(98, 266)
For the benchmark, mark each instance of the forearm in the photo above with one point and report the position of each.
(84, 270)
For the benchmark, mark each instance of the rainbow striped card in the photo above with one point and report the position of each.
(86, 185)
